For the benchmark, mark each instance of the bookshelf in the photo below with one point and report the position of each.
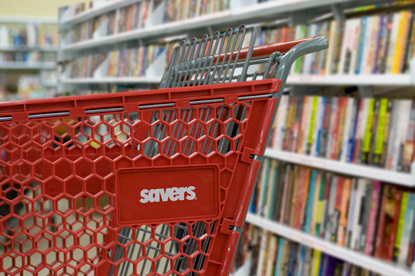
(28, 52)
(400, 178)
(240, 11)
(379, 266)
(249, 12)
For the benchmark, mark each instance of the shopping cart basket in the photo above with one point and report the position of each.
(143, 183)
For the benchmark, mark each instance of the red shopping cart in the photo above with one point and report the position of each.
(143, 183)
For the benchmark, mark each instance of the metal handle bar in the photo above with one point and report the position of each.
(305, 47)
(266, 50)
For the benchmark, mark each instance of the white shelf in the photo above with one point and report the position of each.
(28, 19)
(156, 31)
(379, 79)
(96, 11)
(29, 48)
(292, 80)
(376, 265)
(243, 270)
(229, 17)
(27, 65)
(400, 178)
(150, 80)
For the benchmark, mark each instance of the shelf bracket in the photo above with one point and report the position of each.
(365, 91)
(338, 13)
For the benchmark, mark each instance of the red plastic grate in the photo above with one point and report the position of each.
(138, 183)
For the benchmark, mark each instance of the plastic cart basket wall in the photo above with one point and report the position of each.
(143, 183)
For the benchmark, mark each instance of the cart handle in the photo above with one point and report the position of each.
(266, 50)
(304, 47)
(262, 51)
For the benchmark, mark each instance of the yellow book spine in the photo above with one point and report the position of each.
(316, 262)
(399, 47)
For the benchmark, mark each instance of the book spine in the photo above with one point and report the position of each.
(352, 138)
(350, 213)
(380, 132)
(406, 232)
(374, 206)
(320, 205)
(363, 30)
(312, 124)
(322, 148)
(392, 225)
(343, 215)
(400, 42)
(310, 198)
(402, 211)
(368, 132)
(411, 252)
(348, 129)
(408, 147)
(322, 112)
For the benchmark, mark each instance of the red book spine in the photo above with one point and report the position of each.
(333, 149)
(390, 238)
(379, 246)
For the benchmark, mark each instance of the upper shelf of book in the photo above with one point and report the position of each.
(239, 7)
(246, 11)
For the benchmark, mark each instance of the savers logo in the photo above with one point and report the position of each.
(173, 194)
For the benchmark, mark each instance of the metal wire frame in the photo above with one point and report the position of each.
(209, 60)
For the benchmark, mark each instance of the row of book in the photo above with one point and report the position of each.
(378, 132)
(179, 10)
(128, 62)
(124, 19)
(30, 34)
(272, 255)
(370, 44)
(33, 56)
(135, 16)
(377, 219)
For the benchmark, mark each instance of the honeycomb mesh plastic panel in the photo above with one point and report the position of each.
(72, 172)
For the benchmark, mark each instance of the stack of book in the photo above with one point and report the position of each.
(378, 132)
(28, 34)
(364, 215)
(380, 43)
(272, 255)
(128, 62)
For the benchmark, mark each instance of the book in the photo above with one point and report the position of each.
(399, 230)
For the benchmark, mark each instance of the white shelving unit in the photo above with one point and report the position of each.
(42, 63)
(376, 265)
(27, 65)
(240, 11)
(400, 178)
